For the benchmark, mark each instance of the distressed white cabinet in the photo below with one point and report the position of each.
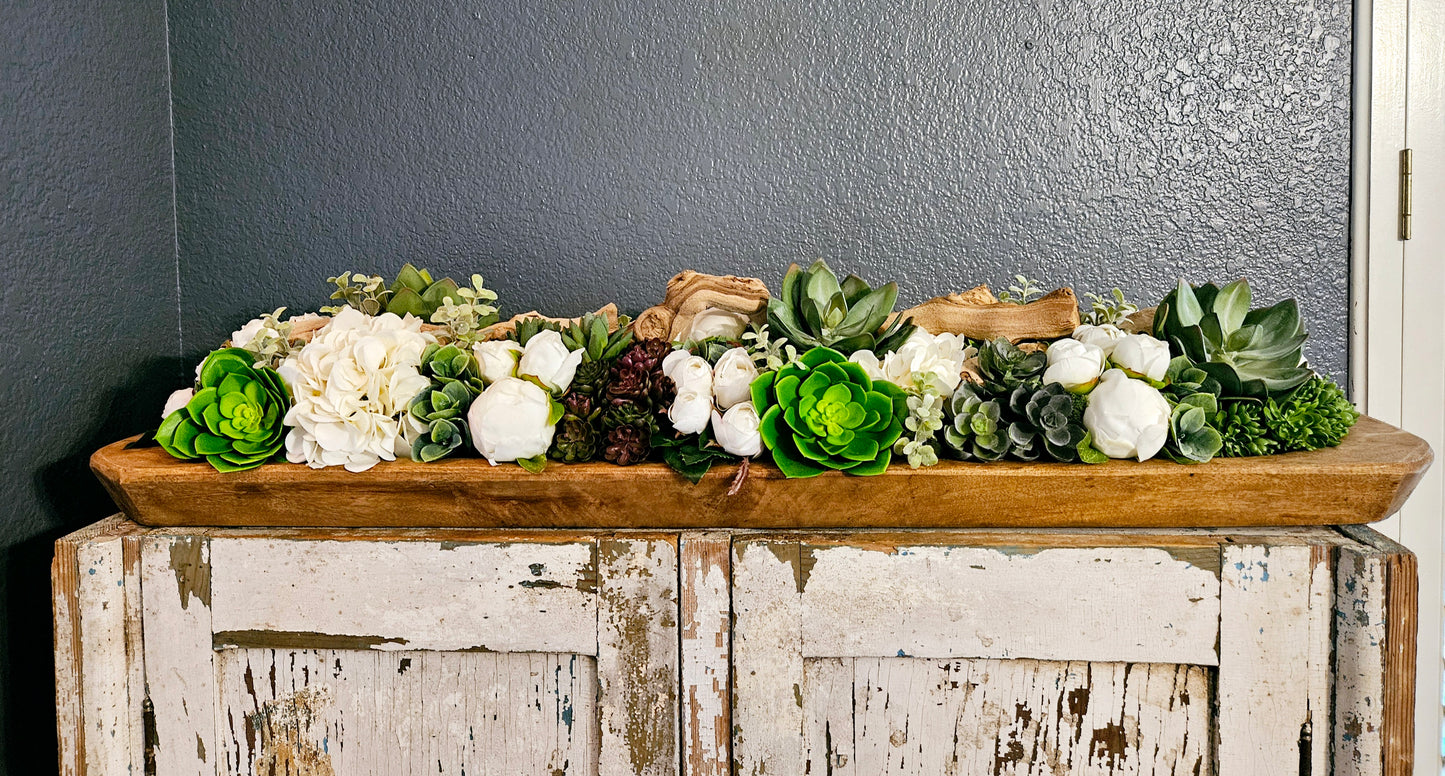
(377, 651)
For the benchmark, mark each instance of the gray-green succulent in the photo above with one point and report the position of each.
(1250, 352)
(816, 310)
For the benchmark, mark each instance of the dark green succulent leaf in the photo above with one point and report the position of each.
(411, 278)
(1247, 352)
(854, 288)
(407, 302)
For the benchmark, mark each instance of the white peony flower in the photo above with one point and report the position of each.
(246, 335)
(715, 322)
(1127, 418)
(497, 359)
(690, 410)
(688, 372)
(511, 420)
(732, 378)
(1074, 365)
(177, 400)
(1103, 337)
(349, 384)
(1142, 356)
(737, 430)
(923, 360)
(546, 358)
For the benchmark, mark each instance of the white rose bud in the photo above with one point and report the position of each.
(497, 359)
(546, 358)
(177, 400)
(1103, 337)
(1127, 418)
(1142, 356)
(688, 372)
(732, 378)
(1074, 365)
(737, 430)
(510, 421)
(715, 322)
(690, 411)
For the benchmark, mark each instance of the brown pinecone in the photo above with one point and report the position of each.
(627, 445)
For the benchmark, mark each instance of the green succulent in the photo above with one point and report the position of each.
(1315, 415)
(974, 428)
(234, 421)
(1004, 366)
(815, 310)
(824, 412)
(444, 413)
(1192, 435)
(1249, 352)
(1048, 420)
(1241, 428)
(449, 363)
(415, 292)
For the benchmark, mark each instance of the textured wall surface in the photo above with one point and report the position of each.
(580, 152)
(87, 268)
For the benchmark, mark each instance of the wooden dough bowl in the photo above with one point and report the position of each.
(1365, 479)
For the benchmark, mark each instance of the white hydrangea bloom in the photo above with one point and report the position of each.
(350, 383)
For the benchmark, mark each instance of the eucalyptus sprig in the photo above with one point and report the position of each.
(924, 421)
(1024, 290)
(769, 353)
(367, 293)
(466, 316)
(1112, 310)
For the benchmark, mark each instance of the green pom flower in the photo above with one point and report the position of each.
(1315, 415)
(823, 412)
(234, 420)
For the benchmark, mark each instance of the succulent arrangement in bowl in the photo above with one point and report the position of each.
(835, 380)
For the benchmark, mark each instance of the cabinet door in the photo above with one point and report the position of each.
(394, 653)
(1010, 653)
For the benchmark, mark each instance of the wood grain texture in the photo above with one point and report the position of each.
(767, 658)
(978, 314)
(321, 712)
(502, 597)
(637, 656)
(179, 669)
(1376, 598)
(1363, 480)
(706, 652)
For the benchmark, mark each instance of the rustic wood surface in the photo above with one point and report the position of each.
(706, 571)
(1365, 479)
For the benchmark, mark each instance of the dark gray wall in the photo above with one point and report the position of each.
(87, 268)
(577, 153)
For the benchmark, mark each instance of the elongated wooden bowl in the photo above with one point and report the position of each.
(1365, 479)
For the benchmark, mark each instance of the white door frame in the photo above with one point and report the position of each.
(1397, 315)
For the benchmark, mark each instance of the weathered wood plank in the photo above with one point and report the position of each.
(180, 678)
(1134, 604)
(828, 716)
(767, 658)
(918, 717)
(637, 656)
(65, 597)
(705, 563)
(1264, 660)
(1376, 592)
(366, 713)
(509, 597)
(1364, 479)
(105, 679)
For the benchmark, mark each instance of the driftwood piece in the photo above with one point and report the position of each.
(978, 314)
(690, 293)
(1141, 322)
(500, 330)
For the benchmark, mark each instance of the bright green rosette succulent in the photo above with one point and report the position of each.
(823, 412)
(234, 420)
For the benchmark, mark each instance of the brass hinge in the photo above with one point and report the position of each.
(1407, 192)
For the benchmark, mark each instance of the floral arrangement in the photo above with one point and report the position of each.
(823, 376)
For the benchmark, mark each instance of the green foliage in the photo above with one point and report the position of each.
(463, 310)
(591, 335)
(691, 455)
(815, 310)
(442, 408)
(1024, 290)
(366, 293)
(1192, 437)
(1004, 366)
(1250, 352)
(976, 430)
(1112, 310)
(925, 420)
(1241, 427)
(824, 412)
(769, 353)
(273, 343)
(234, 419)
(466, 313)
(1317, 414)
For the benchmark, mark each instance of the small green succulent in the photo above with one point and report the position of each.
(1250, 352)
(824, 412)
(442, 408)
(1049, 421)
(1192, 435)
(234, 420)
(1004, 366)
(1315, 415)
(815, 310)
(1242, 430)
(975, 429)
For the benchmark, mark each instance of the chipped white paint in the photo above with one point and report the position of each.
(637, 656)
(68, 670)
(105, 685)
(920, 717)
(1360, 659)
(767, 659)
(180, 679)
(828, 735)
(366, 713)
(532, 597)
(1264, 662)
(1127, 604)
(706, 654)
(1321, 661)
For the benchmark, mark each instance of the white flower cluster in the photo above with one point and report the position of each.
(703, 390)
(924, 361)
(1126, 418)
(515, 417)
(350, 383)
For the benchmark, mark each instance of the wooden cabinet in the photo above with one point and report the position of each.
(386, 651)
